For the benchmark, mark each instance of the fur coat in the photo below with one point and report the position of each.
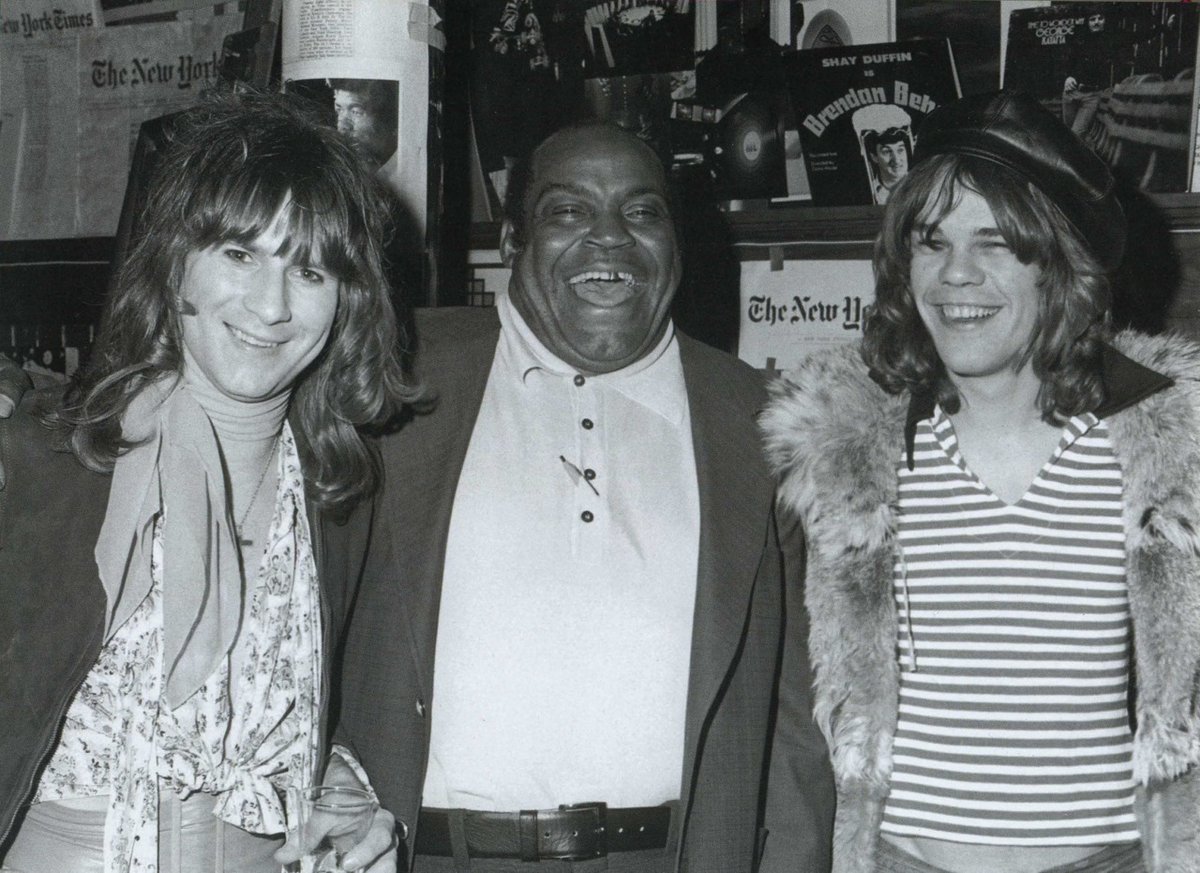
(834, 439)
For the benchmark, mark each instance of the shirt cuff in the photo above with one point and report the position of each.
(350, 761)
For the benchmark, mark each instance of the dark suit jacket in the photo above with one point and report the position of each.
(389, 660)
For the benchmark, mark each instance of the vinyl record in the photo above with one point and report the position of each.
(824, 30)
(749, 163)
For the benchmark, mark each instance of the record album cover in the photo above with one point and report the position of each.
(1121, 75)
(859, 111)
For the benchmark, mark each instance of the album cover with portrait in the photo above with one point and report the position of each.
(1121, 75)
(859, 109)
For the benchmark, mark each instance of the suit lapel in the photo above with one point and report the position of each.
(431, 485)
(734, 513)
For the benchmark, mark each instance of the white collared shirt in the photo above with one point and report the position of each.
(564, 638)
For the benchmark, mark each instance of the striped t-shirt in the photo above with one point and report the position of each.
(1014, 644)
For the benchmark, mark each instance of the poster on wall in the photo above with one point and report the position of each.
(859, 109)
(526, 67)
(639, 63)
(1121, 75)
(71, 105)
(808, 305)
(538, 64)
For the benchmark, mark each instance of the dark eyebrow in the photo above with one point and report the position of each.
(924, 229)
(580, 191)
(561, 187)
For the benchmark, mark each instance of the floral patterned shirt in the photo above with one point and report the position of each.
(243, 738)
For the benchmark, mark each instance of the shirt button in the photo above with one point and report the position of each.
(588, 424)
(589, 474)
(579, 380)
(420, 707)
(586, 515)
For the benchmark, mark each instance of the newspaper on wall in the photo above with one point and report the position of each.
(808, 305)
(368, 61)
(30, 18)
(71, 104)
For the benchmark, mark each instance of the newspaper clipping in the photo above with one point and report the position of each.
(368, 61)
(71, 103)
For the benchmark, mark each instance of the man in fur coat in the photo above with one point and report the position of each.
(1000, 503)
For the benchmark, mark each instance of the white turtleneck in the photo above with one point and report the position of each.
(247, 433)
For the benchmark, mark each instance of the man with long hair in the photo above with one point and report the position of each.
(182, 524)
(1000, 497)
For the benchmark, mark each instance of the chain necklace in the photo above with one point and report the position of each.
(241, 540)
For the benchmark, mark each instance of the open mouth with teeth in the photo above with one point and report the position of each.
(599, 286)
(251, 340)
(962, 313)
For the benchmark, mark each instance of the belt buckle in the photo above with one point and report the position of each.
(588, 841)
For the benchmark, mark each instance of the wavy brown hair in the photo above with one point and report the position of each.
(1075, 296)
(230, 166)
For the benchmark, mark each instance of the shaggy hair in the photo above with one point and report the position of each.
(1075, 295)
(231, 165)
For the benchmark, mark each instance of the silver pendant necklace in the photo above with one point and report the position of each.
(243, 541)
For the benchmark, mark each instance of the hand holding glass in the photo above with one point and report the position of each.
(329, 821)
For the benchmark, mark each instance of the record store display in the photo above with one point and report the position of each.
(739, 110)
(748, 159)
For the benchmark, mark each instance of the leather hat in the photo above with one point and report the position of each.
(1014, 130)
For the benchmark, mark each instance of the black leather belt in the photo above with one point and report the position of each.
(569, 833)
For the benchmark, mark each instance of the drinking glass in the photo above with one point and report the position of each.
(329, 821)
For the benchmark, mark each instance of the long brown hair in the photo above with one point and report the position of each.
(1075, 294)
(231, 165)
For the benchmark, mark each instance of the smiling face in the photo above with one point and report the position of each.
(891, 159)
(261, 317)
(978, 301)
(600, 263)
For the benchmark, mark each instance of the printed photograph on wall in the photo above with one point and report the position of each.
(1121, 75)
(364, 111)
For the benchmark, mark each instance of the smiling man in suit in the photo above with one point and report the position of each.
(567, 646)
